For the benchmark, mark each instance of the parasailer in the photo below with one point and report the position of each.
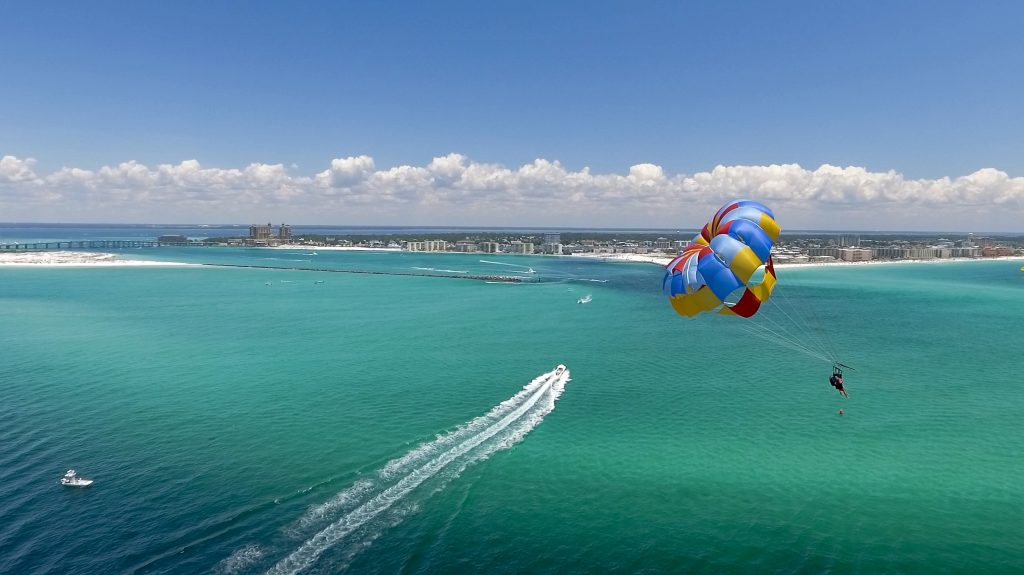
(728, 269)
(836, 381)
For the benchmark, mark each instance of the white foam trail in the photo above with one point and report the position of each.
(440, 270)
(348, 497)
(516, 415)
(528, 269)
(445, 440)
(240, 560)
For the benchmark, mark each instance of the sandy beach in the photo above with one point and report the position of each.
(74, 259)
(71, 258)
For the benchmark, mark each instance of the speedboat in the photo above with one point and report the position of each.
(71, 479)
(559, 370)
(584, 299)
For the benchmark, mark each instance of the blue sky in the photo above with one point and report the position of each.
(928, 90)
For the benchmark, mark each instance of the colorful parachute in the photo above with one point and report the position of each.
(722, 260)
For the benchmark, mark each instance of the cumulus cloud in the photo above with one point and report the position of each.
(454, 190)
(14, 170)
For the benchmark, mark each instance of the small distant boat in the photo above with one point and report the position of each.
(584, 299)
(268, 283)
(319, 281)
(559, 370)
(71, 479)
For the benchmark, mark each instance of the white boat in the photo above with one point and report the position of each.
(73, 480)
(584, 299)
(559, 370)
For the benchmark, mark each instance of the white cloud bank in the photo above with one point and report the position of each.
(452, 190)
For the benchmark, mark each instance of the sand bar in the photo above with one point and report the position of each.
(74, 259)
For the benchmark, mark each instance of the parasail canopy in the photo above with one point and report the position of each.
(717, 271)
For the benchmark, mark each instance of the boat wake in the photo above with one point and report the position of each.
(353, 518)
(441, 270)
(527, 269)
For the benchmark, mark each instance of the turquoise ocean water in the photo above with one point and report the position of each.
(238, 427)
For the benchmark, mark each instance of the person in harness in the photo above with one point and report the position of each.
(836, 380)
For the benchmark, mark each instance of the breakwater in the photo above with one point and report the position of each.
(490, 278)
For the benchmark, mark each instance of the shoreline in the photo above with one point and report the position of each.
(331, 248)
(664, 260)
(99, 259)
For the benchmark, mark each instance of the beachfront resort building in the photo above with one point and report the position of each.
(260, 232)
(552, 244)
(427, 246)
(855, 254)
(996, 251)
(263, 235)
(522, 248)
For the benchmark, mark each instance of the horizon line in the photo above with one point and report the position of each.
(492, 228)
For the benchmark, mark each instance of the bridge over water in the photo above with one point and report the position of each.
(92, 244)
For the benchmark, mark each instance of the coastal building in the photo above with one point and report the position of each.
(791, 259)
(890, 253)
(966, 252)
(465, 246)
(261, 232)
(855, 254)
(488, 247)
(921, 253)
(552, 244)
(830, 251)
(522, 248)
(263, 235)
(427, 246)
(996, 251)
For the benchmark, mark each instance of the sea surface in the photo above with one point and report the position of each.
(253, 420)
